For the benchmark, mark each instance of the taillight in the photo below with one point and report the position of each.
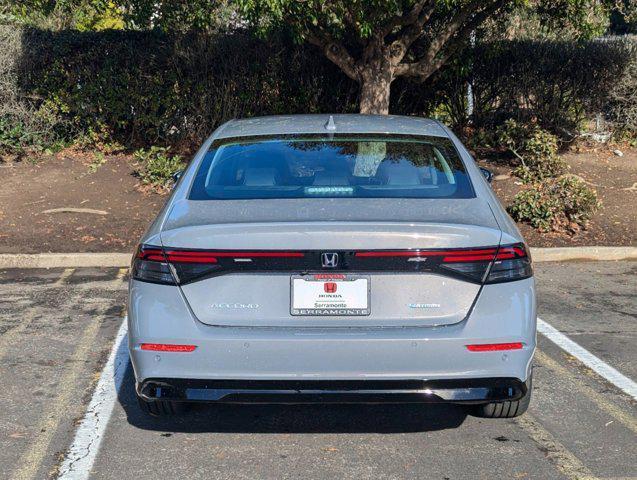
(479, 264)
(472, 263)
(171, 265)
(156, 265)
(508, 263)
(149, 265)
(511, 263)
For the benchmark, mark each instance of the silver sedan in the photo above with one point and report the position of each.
(344, 258)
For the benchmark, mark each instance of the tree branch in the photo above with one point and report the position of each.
(452, 27)
(413, 31)
(350, 18)
(450, 40)
(335, 52)
(404, 19)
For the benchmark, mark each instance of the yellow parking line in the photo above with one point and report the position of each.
(564, 460)
(65, 274)
(118, 282)
(597, 398)
(121, 273)
(9, 337)
(31, 460)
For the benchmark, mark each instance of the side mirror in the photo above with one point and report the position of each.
(177, 175)
(487, 174)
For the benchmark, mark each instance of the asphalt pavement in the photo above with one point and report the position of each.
(57, 328)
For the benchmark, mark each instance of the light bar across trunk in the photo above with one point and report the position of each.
(506, 263)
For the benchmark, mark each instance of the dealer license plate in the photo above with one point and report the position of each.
(330, 295)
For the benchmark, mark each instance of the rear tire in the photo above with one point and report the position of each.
(506, 409)
(161, 408)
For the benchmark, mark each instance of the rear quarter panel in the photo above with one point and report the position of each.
(510, 231)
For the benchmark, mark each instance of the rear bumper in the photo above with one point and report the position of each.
(159, 314)
(474, 390)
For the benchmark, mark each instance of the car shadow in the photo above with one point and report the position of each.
(335, 418)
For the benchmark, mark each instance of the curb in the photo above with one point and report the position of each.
(64, 260)
(79, 260)
(562, 254)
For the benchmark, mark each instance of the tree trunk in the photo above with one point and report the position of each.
(375, 97)
(375, 81)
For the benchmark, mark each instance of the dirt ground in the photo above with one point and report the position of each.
(69, 180)
(115, 213)
(615, 180)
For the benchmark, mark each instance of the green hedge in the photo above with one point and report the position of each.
(560, 85)
(148, 88)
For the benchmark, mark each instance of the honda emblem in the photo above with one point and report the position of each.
(329, 260)
(329, 287)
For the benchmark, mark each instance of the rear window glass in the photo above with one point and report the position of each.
(328, 167)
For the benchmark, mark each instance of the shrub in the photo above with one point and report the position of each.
(558, 204)
(157, 168)
(535, 148)
(527, 139)
(579, 201)
(559, 84)
(622, 104)
(25, 130)
(24, 122)
(13, 135)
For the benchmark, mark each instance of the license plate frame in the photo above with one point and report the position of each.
(335, 311)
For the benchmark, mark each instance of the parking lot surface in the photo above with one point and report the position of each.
(57, 328)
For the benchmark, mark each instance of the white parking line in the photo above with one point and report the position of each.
(88, 437)
(587, 358)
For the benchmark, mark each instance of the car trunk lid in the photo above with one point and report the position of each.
(395, 253)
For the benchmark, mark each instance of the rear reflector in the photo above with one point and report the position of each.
(167, 347)
(494, 347)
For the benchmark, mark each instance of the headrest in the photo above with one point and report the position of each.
(400, 174)
(331, 179)
(260, 177)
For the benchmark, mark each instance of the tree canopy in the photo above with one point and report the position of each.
(64, 14)
(375, 41)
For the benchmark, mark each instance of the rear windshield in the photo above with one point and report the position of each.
(328, 167)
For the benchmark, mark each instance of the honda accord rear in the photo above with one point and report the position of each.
(342, 258)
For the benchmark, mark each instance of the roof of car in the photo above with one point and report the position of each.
(326, 123)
